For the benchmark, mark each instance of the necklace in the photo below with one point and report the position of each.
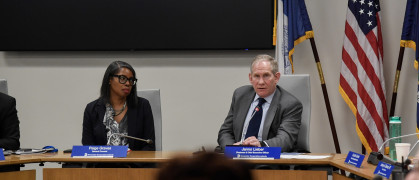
(118, 112)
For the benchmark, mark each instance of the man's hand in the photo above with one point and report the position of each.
(251, 141)
(237, 143)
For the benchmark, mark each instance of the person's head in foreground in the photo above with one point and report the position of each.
(205, 166)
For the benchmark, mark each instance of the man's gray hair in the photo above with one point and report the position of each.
(265, 57)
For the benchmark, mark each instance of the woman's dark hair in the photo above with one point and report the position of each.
(112, 69)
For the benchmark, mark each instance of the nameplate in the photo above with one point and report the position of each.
(99, 151)
(240, 152)
(383, 169)
(2, 155)
(354, 159)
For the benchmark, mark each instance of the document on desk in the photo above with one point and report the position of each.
(302, 156)
(28, 151)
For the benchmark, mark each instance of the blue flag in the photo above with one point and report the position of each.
(410, 26)
(293, 27)
(410, 38)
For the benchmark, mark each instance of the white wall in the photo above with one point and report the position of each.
(52, 88)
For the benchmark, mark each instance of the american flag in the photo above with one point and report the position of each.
(361, 79)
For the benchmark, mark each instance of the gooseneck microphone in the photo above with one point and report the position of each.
(397, 137)
(400, 169)
(375, 157)
(148, 141)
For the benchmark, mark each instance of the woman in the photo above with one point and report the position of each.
(119, 110)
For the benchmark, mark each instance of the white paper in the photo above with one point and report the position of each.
(301, 156)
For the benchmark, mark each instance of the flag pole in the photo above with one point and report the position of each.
(396, 81)
(325, 95)
(326, 98)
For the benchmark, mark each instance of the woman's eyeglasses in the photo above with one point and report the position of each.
(123, 79)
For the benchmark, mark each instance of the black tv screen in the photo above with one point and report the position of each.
(73, 25)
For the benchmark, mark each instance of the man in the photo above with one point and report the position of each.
(9, 123)
(263, 114)
(9, 128)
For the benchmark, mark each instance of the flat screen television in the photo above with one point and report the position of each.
(90, 25)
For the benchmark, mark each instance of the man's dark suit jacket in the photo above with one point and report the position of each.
(9, 123)
(282, 122)
(140, 125)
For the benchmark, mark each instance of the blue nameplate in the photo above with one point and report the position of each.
(383, 169)
(354, 159)
(240, 152)
(99, 151)
(2, 155)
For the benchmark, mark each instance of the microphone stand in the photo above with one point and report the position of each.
(400, 169)
(413, 148)
(148, 141)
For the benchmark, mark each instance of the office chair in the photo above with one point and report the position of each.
(153, 96)
(3, 86)
(299, 86)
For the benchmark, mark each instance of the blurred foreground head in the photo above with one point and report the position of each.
(205, 166)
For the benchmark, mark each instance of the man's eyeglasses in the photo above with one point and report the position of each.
(123, 79)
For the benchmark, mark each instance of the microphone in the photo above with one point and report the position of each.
(148, 141)
(397, 137)
(375, 157)
(400, 169)
(257, 108)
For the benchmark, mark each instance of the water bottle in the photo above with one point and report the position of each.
(395, 130)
